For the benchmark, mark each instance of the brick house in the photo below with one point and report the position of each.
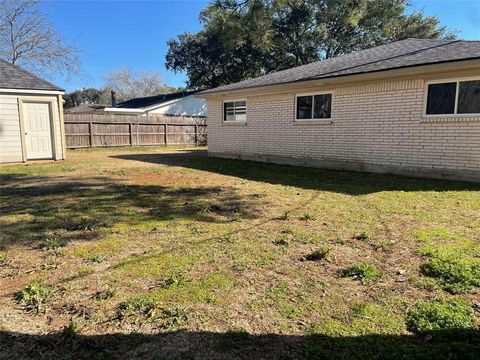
(410, 107)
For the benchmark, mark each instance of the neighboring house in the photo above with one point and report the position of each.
(409, 107)
(96, 109)
(31, 117)
(176, 104)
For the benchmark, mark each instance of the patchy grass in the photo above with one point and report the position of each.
(442, 315)
(166, 251)
(364, 272)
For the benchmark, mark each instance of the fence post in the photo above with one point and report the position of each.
(90, 133)
(130, 129)
(138, 138)
(196, 134)
(165, 135)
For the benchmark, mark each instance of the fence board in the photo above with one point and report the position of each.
(92, 130)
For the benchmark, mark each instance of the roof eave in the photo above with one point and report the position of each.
(32, 91)
(361, 76)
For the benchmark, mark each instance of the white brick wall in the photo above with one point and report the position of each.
(372, 124)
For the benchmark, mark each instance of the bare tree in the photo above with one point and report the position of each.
(129, 84)
(28, 40)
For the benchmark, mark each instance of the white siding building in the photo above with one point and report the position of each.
(174, 104)
(31, 117)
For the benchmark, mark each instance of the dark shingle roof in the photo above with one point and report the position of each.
(399, 54)
(153, 100)
(13, 77)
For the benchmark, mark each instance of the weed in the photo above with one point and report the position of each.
(71, 330)
(441, 315)
(53, 243)
(84, 271)
(285, 216)
(236, 337)
(364, 235)
(173, 318)
(104, 294)
(3, 260)
(289, 230)
(382, 246)
(309, 217)
(282, 240)
(139, 305)
(174, 278)
(455, 274)
(229, 238)
(96, 258)
(319, 254)
(198, 230)
(34, 297)
(363, 272)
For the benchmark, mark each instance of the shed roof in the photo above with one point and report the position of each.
(14, 77)
(395, 55)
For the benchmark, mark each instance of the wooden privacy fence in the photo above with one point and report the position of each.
(88, 130)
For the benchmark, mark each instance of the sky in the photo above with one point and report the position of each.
(115, 34)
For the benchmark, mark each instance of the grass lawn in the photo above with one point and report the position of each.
(164, 253)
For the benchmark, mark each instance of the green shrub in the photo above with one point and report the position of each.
(34, 297)
(454, 274)
(441, 315)
(363, 272)
(319, 254)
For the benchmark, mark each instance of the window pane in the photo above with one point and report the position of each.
(241, 116)
(322, 106)
(469, 97)
(240, 103)
(304, 107)
(441, 98)
(229, 115)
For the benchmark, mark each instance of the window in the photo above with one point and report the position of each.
(235, 111)
(453, 98)
(314, 107)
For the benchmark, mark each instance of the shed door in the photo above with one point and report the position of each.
(38, 130)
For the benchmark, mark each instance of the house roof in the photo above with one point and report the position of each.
(14, 77)
(395, 55)
(86, 109)
(148, 101)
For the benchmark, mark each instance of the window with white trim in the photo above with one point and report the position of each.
(235, 111)
(453, 98)
(314, 107)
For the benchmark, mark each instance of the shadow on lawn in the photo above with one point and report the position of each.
(454, 344)
(36, 208)
(347, 182)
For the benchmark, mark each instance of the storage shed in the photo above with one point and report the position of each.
(31, 117)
